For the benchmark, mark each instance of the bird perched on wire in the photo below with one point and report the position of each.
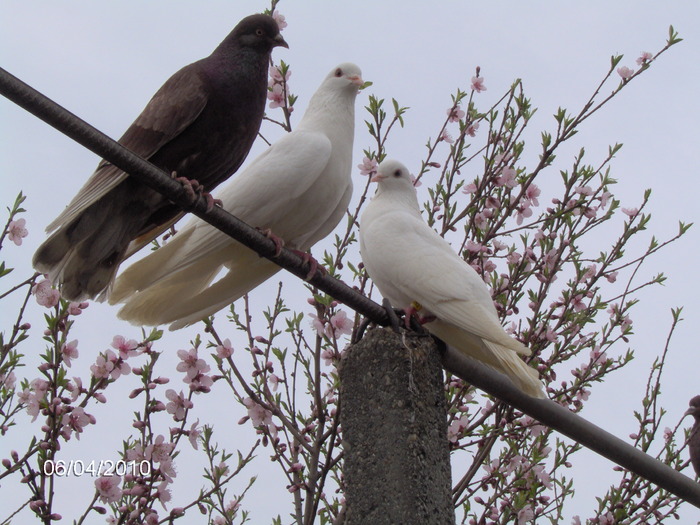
(298, 189)
(417, 270)
(199, 126)
(694, 439)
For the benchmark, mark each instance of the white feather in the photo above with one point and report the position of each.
(412, 265)
(299, 188)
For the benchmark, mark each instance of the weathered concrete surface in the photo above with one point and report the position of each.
(394, 428)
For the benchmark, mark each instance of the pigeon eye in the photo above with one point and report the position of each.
(338, 72)
(397, 173)
(259, 32)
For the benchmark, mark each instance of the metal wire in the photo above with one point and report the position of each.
(496, 384)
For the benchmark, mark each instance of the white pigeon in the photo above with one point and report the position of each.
(299, 189)
(414, 268)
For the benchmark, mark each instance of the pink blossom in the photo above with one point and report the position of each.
(590, 272)
(126, 348)
(492, 202)
(523, 211)
(507, 178)
(260, 416)
(163, 493)
(328, 356)
(178, 404)
(456, 428)
(69, 351)
(498, 245)
(34, 395)
(514, 463)
(550, 259)
(75, 421)
(577, 303)
(478, 84)
(474, 247)
(604, 198)
(102, 367)
(611, 277)
(191, 364)
(625, 72)
(280, 19)
(644, 58)
(199, 383)
(542, 475)
(45, 294)
(469, 188)
(630, 212)
(119, 366)
(193, 434)
(77, 308)
(480, 221)
(502, 158)
(108, 488)
(513, 258)
(276, 96)
(576, 520)
(368, 166)
(416, 183)
(274, 382)
(525, 515)
(608, 519)
(488, 266)
(584, 190)
(159, 451)
(317, 324)
(226, 350)
(276, 76)
(583, 394)
(597, 356)
(454, 114)
(532, 193)
(668, 434)
(472, 129)
(491, 468)
(445, 135)
(16, 231)
(7, 381)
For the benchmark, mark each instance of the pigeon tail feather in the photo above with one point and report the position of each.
(186, 295)
(494, 355)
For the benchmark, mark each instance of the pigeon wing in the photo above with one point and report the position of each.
(175, 106)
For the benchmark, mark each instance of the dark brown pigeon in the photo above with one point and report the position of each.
(199, 126)
(694, 440)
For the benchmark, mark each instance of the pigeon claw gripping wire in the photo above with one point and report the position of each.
(308, 259)
(279, 242)
(195, 190)
(394, 321)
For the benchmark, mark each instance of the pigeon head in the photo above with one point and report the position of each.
(694, 409)
(345, 77)
(259, 32)
(392, 175)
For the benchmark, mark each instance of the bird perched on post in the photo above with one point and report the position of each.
(199, 126)
(694, 439)
(417, 270)
(299, 189)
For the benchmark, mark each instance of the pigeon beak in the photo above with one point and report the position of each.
(279, 41)
(357, 80)
(377, 177)
(690, 412)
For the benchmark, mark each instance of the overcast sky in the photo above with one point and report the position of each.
(103, 61)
